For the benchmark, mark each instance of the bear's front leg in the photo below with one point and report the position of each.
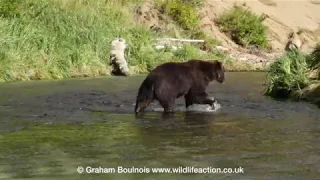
(211, 101)
(207, 100)
(167, 104)
(198, 98)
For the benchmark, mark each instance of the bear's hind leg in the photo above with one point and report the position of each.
(188, 101)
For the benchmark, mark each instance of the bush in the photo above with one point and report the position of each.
(183, 12)
(209, 42)
(314, 58)
(244, 27)
(287, 75)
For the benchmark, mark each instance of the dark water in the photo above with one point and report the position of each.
(48, 129)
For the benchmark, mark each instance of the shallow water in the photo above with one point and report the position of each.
(49, 128)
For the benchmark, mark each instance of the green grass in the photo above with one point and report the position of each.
(70, 38)
(244, 27)
(209, 42)
(184, 12)
(287, 75)
(291, 76)
(314, 58)
(59, 39)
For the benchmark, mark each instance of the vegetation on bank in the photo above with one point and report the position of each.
(287, 74)
(314, 59)
(244, 27)
(59, 39)
(290, 75)
(185, 14)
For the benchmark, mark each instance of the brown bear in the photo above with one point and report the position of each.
(175, 79)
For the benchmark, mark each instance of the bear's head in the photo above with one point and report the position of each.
(212, 69)
(218, 71)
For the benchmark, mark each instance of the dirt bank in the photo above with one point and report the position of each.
(283, 17)
(312, 93)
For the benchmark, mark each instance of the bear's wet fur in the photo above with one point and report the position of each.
(172, 80)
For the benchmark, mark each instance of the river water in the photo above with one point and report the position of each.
(49, 128)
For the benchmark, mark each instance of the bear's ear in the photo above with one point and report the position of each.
(218, 65)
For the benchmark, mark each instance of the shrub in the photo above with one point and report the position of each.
(244, 27)
(287, 75)
(183, 12)
(314, 58)
(209, 42)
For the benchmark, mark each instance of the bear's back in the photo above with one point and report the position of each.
(171, 68)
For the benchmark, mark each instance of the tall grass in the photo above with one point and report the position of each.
(58, 39)
(43, 39)
(287, 75)
(184, 12)
(244, 27)
(314, 59)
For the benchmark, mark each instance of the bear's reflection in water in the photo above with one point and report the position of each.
(193, 123)
(195, 107)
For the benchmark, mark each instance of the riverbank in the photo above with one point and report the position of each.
(311, 93)
(295, 75)
(43, 40)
